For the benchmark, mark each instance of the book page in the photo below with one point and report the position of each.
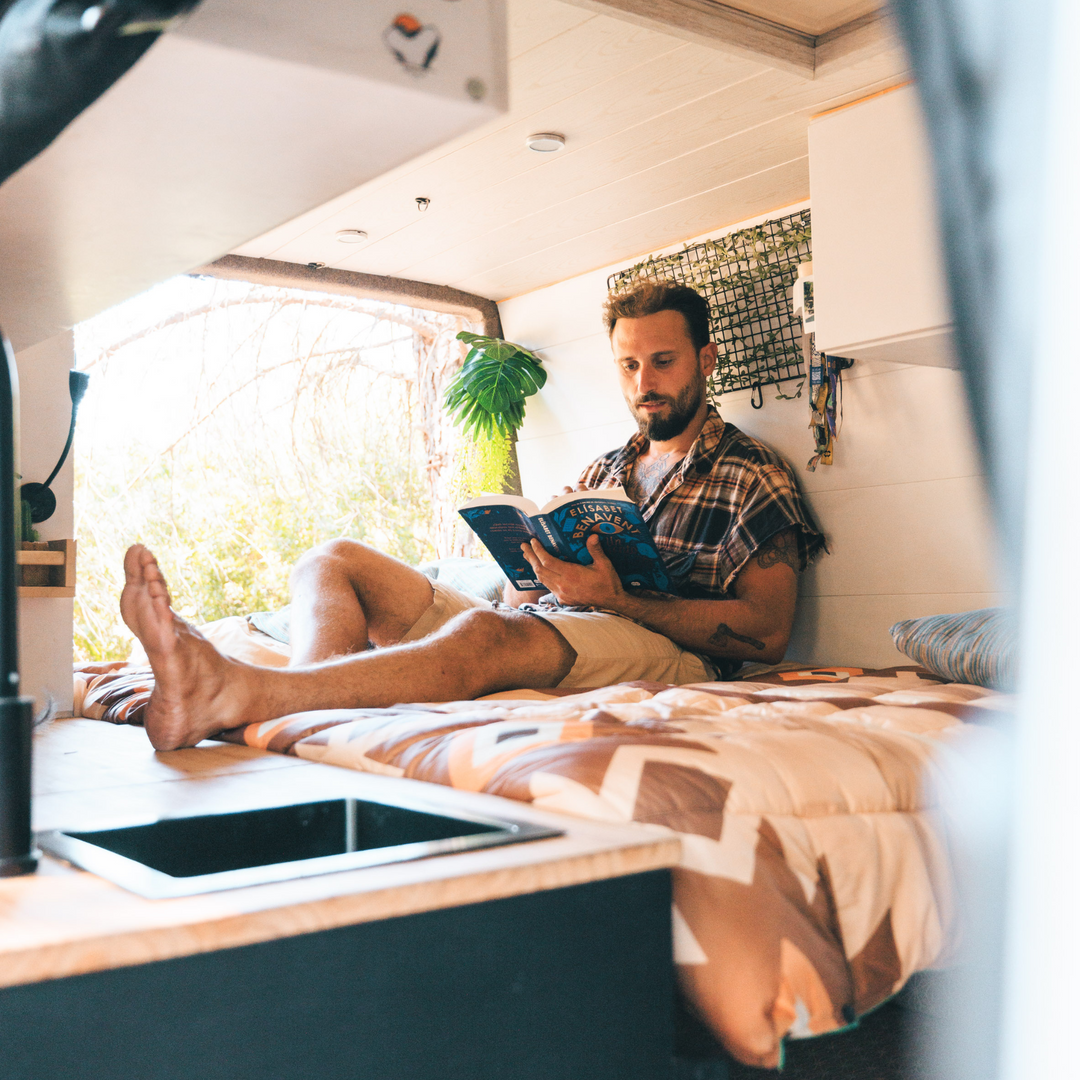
(526, 506)
(614, 493)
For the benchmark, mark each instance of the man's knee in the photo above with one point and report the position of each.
(484, 628)
(339, 557)
(514, 642)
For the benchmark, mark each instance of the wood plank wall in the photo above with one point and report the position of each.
(903, 505)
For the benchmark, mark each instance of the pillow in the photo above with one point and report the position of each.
(970, 647)
(478, 577)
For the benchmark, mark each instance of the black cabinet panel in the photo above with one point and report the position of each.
(569, 984)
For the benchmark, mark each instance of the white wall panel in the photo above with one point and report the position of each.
(581, 391)
(577, 302)
(918, 533)
(552, 461)
(852, 631)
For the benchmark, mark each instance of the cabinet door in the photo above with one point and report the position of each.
(879, 285)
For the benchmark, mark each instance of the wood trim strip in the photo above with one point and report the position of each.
(857, 40)
(347, 283)
(718, 26)
(93, 925)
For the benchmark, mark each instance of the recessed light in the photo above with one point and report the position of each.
(545, 142)
(350, 236)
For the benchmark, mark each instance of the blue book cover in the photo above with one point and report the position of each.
(504, 522)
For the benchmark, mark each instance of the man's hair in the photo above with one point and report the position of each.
(649, 297)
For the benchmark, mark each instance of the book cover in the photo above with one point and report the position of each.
(504, 522)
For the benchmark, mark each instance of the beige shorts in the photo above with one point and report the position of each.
(609, 648)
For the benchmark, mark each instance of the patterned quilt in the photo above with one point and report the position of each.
(814, 877)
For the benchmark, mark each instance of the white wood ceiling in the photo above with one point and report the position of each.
(665, 139)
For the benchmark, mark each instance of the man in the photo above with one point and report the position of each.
(724, 511)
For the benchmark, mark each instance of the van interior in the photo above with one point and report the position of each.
(797, 906)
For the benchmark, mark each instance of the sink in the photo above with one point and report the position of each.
(183, 856)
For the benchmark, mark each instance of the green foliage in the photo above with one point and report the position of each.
(483, 467)
(227, 545)
(487, 396)
(27, 532)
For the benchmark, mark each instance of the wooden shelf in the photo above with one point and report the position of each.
(57, 578)
(39, 558)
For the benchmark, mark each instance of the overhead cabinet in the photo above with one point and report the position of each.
(879, 283)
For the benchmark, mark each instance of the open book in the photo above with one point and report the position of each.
(505, 522)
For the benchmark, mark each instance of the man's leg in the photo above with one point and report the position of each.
(345, 594)
(198, 692)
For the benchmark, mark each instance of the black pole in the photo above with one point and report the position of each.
(17, 852)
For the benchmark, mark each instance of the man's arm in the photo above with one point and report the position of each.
(755, 625)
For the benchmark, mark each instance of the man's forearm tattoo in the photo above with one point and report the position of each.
(724, 635)
(781, 548)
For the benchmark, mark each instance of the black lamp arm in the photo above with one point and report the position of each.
(77, 383)
(67, 447)
(39, 497)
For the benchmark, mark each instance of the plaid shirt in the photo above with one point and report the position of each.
(716, 507)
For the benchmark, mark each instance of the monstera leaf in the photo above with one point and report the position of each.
(487, 396)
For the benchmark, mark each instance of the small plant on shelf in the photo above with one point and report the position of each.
(28, 534)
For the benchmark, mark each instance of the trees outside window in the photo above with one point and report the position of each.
(232, 426)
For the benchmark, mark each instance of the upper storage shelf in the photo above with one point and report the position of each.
(879, 283)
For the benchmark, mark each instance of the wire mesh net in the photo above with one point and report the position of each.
(746, 277)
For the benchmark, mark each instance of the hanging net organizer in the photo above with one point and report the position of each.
(746, 277)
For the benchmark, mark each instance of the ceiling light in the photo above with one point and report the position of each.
(350, 236)
(545, 142)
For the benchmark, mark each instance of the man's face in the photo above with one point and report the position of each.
(661, 374)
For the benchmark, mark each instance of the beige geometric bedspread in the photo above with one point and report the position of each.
(814, 877)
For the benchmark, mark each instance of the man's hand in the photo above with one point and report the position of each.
(572, 583)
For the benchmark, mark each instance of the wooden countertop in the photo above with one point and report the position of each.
(89, 774)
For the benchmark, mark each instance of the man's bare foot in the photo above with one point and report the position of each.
(197, 691)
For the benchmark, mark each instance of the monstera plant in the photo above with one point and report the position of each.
(487, 396)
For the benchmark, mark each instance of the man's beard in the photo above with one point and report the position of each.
(656, 427)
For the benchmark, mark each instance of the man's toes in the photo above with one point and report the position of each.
(133, 563)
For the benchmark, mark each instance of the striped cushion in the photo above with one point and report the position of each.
(970, 647)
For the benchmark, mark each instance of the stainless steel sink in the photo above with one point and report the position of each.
(183, 856)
